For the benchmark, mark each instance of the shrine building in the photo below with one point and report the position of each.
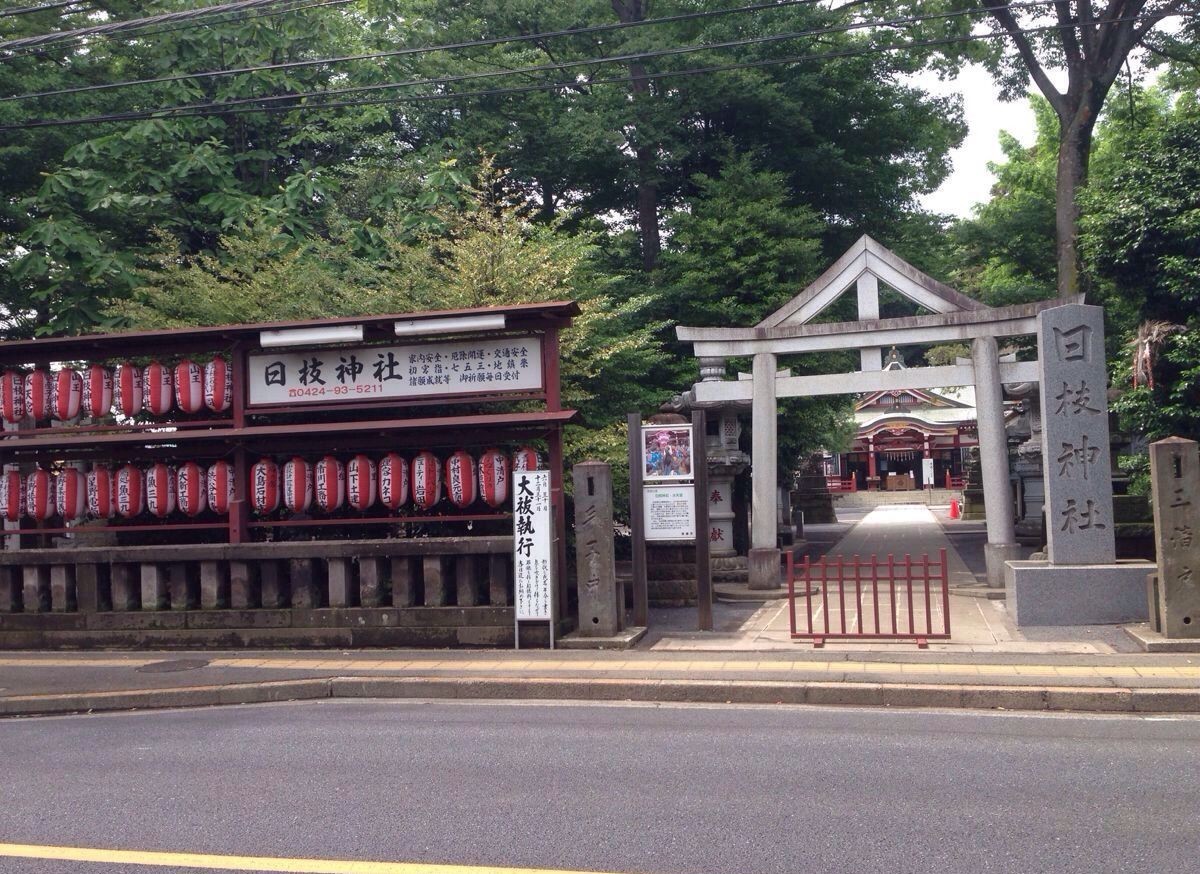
(897, 429)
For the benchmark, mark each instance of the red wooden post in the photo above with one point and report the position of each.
(825, 592)
(841, 580)
(808, 592)
(239, 515)
(928, 603)
(891, 572)
(908, 579)
(875, 587)
(791, 580)
(945, 594)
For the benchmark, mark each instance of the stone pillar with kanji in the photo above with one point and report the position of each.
(1080, 582)
(1175, 478)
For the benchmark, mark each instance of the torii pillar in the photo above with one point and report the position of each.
(764, 554)
(993, 460)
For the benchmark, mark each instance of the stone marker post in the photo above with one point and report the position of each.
(1081, 583)
(1175, 476)
(1079, 526)
(601, 598)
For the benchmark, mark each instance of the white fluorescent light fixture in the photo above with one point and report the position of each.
(450, 325)
(308, 336)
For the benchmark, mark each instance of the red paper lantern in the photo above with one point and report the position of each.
(493, 477)
(101, 493)
(393, 481)
(218, 385)
(426, 480)
(67, 395)
(70, 494)
(525, 458)
(160, 490)
(97, 391)
(460, 479)
(191, 488)
(189, 387)
(38, 390)
(128, 391)
(12, 495)
(131, 491)
(158, 388)
(220, 486)
(297, 485)
(39, 495)
(12, 396)
(264, 486)
(330, 479)
(361, 487)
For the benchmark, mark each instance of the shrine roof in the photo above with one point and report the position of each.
(518, 317)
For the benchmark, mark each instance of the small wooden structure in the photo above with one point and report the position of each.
(260, 563)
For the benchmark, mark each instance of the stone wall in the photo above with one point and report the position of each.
(426, 592)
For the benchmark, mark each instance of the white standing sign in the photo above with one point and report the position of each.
(533, 544)
(366, 373)
(927, 475)
(669, 512)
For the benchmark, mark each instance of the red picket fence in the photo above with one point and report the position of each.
(837, 484)
(870, 599)
(955, 482)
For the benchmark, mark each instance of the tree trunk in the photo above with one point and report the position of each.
(1076, 126)
(1072, 173)
(647, 193)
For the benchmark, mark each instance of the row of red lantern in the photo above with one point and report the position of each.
(104, 493)
(359, 483)
(329, 484)
(129, 390)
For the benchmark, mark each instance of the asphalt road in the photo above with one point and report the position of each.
(670, 790)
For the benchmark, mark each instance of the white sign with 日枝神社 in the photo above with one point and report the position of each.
(413, 370)
(533, 563)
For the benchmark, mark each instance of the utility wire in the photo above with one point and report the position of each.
(31, 10)
(528, 37)
(134, 23)
(142, 34)
(417, 50)
(217, 109)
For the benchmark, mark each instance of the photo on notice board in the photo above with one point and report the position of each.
(666, 452)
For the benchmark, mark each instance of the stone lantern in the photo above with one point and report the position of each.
(725, 462)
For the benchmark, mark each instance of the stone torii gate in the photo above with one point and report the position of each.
(790, 330)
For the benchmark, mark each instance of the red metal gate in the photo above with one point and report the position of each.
(870, 599)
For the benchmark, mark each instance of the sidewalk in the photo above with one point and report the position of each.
(748, 659)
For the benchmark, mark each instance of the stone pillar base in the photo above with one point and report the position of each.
(765, 569)
(996, 555)
(1040, 593)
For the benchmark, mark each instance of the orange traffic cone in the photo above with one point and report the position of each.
(954, 511)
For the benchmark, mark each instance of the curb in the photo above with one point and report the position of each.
(827, 694)
(159, 699)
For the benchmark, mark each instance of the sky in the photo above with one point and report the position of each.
(986, 116)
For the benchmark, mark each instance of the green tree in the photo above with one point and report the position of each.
(737, 253)
(1006, 250)
(86, 201)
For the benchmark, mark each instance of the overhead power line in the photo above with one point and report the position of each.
(132, 23)
(214, 109)
(189, 25)
(495, 41)
(528, 37)
(32, 10)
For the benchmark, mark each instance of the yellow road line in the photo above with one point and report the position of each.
(251, 863)
(678, 666)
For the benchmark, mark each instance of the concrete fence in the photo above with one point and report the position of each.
(428, 591)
